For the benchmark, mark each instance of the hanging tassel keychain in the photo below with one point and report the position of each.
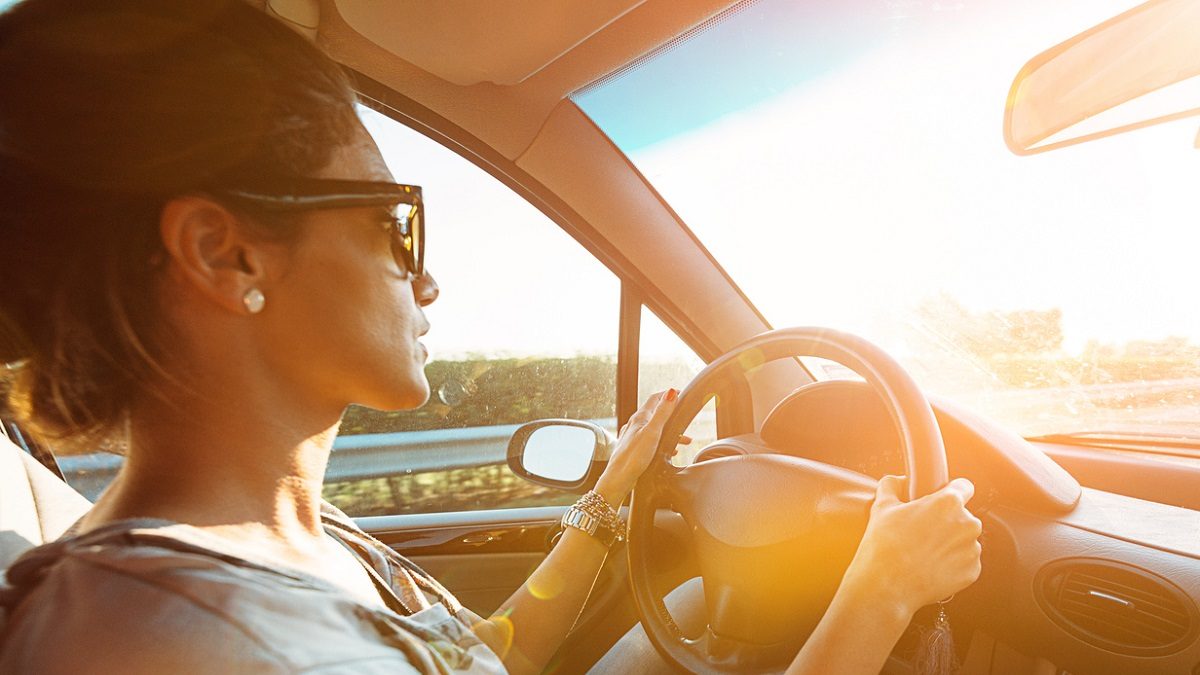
(935, 651)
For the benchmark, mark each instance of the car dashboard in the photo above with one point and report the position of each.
(1089, 580)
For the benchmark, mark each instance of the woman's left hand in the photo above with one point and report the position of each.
(635, 447)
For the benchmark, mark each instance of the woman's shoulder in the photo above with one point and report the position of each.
(98, 604)
(90, 609)
(415, 588)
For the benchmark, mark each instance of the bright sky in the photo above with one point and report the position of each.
(512, 282)
(880, 177)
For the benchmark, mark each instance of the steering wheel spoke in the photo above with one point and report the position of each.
(680, 488)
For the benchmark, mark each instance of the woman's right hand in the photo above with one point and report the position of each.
(920, 552)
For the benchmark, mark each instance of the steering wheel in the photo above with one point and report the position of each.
(773, 533)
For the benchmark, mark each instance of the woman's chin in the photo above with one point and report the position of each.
(409, 396)
(401, 389)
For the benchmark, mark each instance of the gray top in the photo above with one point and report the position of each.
(151, 596)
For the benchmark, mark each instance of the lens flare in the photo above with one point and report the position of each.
(498, 632)
(751, 359)
(546, 585)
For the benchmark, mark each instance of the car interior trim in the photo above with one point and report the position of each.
(1141, 475)
(629, 335)
(1139, 521)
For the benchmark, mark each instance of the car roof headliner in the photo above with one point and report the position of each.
(495, 71)
(467, 42)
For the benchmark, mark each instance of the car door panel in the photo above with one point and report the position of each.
(482, 557)
(481, 582)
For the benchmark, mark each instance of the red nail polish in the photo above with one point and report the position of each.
(672, 394)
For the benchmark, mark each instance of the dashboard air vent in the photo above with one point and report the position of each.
(1117, 607)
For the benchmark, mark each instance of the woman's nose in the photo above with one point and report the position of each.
(425, 289)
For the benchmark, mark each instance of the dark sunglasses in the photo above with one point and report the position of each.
(407, 226)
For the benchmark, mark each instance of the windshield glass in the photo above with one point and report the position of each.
(845, 162)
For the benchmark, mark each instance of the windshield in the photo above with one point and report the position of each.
(845, 162)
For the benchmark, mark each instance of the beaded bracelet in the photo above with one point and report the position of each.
(598, 507)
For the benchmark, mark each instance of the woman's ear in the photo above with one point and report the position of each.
(208, 250)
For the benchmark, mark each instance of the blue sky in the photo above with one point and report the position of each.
(754, 55)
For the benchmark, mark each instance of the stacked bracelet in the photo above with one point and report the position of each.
(599, 507)
(597, 517)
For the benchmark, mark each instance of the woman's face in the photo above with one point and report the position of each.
(344, 317)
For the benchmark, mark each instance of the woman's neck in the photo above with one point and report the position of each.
(221, 466)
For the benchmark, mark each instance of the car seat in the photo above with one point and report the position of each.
(35, 505)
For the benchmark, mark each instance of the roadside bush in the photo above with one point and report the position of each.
(482, 392)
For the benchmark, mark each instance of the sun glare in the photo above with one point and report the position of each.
(876, 194)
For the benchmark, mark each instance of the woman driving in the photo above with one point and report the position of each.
(206, 258)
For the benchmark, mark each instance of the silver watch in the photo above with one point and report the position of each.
(582, 520)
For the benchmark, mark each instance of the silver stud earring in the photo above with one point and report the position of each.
(254, 300)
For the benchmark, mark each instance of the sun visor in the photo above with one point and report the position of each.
(468, 42)
(1150, 53)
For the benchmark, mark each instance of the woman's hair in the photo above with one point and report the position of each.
(108, 109)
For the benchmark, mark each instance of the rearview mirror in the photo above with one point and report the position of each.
(564, 454)
(1140, 54)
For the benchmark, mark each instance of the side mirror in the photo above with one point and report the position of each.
(564, 454)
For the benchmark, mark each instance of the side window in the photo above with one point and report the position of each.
(525, 328)
(665, 361)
